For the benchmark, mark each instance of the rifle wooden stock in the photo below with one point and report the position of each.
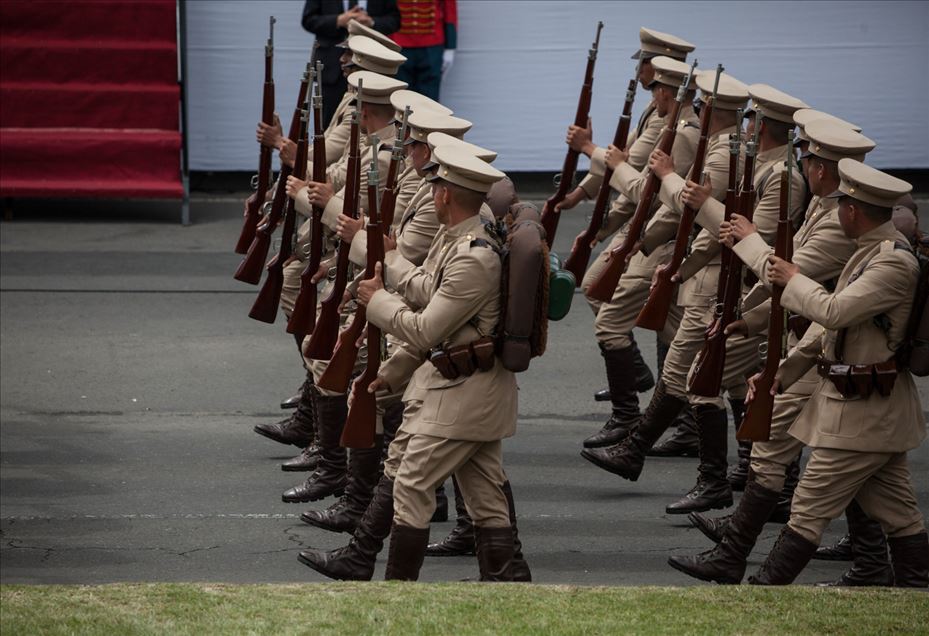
(303, 317)
(361, 422)
(602, 289)
(265, 306)
(706, 379)
(756, 425)
(579, 257)
(253, 210)
(249, 270)
(326, 332)
(550, 215)
(655, 312)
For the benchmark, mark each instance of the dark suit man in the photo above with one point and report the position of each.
(327, 19)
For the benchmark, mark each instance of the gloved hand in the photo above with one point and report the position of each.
(448, 58)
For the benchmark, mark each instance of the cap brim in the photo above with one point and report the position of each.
(806, 154)
(410, 140)
(835, 195)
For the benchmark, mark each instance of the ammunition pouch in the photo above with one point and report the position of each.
(859, 380)
(464, 360)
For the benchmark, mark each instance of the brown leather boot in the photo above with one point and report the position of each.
(910, 557)
(307, 460)
(495, 553)
(355, 561)
(620, 375)
(297, 429)
(519, 566)
(726, 562)
(407, 550)
(871, 565)
(684, 441)
(460, 541)
(627, 458)
(788, 557)
(713, 528)
(364, 465)
(712, 489)
(329, 478)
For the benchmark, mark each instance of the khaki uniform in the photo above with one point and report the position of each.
(330, 221)
(858, 444)
(821, 250)
(616, 319)
(449, 426)
(742, 354)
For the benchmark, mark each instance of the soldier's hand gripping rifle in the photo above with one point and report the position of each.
(756, 425)
(338, 373)
(326, 332)
(249, 270)
(265, 307)
(655, 312)
(580, 256)
(707, 377)
(565, 180)
(602, 289)
(303, 317)
(263, 179)
(361, 422)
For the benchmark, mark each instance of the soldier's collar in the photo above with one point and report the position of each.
(773, 153)
(883, 232)
(471, 225)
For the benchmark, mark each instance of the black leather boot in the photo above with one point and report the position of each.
(520, 568)
(363, 474)
(712, 490)
(871, 565)
(738, 474)
(787, 558)
(297, 429)
(781, 514)
(329, 478)
(291, 402)
(460, 541)
(683, 441)
(407, 549)
(620, 374)
(910, 557)
(661, 352)
(355, 561)
(644, 380)
(495, 553)
(841, 550)
(307, 460)
(626, 459)
(726, 562)
(441, 506)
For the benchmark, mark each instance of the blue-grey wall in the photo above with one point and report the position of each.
(520, 63)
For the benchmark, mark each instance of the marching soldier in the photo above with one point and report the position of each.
(821, 250)
(364, 464)
(865, 413)
(369, 55)
(616, 319)
(640, 144)
(459, 302)
(773, 112)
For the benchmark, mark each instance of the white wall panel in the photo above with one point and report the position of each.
(520, 64)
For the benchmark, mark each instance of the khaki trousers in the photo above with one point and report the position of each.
(880, 482)
(419, 463)
(616, 319)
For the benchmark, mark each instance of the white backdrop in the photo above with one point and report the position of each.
(520, 64)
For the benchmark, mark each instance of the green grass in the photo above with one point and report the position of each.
(455, 609)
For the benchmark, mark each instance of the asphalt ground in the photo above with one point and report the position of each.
(132, 378)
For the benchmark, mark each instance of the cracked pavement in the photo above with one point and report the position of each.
(132, 378)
